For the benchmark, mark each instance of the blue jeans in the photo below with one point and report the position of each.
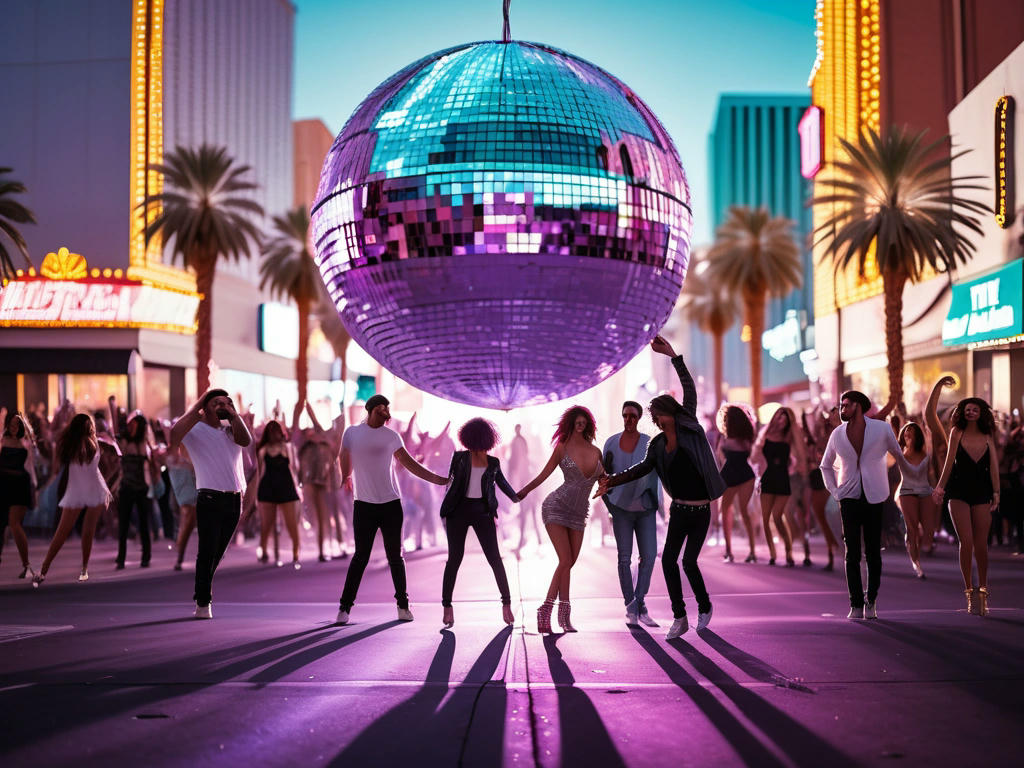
(643, 524)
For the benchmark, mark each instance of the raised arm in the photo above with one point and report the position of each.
(312, 417)
(556, 456)
(415, 468)
(296, 413)
(181, 427)
(931, 410)
(947, 466)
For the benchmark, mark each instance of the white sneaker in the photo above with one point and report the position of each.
(856, 613)
(204, 611)
(679, 626)
(703, 619)
(342, 617)
(871, 610)
(646, 620)
(84, 575)
(404, 614)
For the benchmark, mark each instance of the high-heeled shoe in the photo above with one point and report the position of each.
(564, 609)
(969, 594)
(448, 617)
(506, 614)
(544, 617)
(727, 557)
(26, 570)
(831, 562)
(917, 569)
(771, 561)
(751, 558)
(790, 562)
(38, 579)
(983, 601)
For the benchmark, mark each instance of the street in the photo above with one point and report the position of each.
(117, 668)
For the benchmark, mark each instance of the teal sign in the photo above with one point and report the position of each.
(986, 308)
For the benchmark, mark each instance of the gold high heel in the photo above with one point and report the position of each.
(983, 602)
(970, 595)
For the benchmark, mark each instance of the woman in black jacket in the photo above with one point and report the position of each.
(471, 502)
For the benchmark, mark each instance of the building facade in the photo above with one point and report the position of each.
(884, 63)
(754, 157)
(102, 91)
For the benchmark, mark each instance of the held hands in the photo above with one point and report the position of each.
(938, 494)
(602, 487)
(662, 347)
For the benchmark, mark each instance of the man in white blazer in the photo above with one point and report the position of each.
(859, 445)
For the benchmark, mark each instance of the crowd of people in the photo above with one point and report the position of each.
(887, 476)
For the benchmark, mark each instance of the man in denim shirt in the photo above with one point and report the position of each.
(632, 507)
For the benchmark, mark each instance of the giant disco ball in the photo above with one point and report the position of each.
(503, 224)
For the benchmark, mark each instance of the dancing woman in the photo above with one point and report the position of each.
(817, 439)
(738, 433)
(915, 493)
(471, 502)
(564, 510)
(682, 457)
(776, 443)
(17, 481)
(276, 483)
(78, 450)
(183, 484)
(137, 470)
(972, 471)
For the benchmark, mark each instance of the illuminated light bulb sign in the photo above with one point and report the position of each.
(503, 224)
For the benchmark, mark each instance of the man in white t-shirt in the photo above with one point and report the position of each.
(216, 453)
(367, 451)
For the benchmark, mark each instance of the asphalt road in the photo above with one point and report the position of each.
(116, 669)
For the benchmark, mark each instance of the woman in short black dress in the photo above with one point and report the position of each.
(734, 451)
(973, 490)
(17, 480)
(276, 485)
(776, 444)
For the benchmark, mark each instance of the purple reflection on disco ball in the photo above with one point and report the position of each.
(503, 224)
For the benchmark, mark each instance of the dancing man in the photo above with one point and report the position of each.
(632, 507)
(859, 445)
(216, 453)
(366, 453)
(682, 457)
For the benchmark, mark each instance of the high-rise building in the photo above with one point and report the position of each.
(100, 91)
(754, 157)
(883, 63)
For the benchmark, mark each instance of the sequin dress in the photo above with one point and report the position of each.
(569, 503)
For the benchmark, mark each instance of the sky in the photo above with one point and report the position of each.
(677, 55)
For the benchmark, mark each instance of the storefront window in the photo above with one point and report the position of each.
(88, 392)
(155, 392)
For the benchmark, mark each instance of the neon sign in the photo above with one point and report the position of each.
(1004, 161)
(812, 141)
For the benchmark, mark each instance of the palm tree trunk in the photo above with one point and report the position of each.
(754, 302)
(717, 357)
(205, 271)
(893, 283)
(302, 360)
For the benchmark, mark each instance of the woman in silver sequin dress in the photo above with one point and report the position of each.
(565, 509)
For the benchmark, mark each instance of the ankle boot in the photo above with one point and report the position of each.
(563, 616)
(544, 617)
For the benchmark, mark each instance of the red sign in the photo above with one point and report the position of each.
(812, 141)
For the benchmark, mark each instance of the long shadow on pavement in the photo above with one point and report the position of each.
(749, 664)
(431, 723)
(582, 734)
(799, 743)
(750, 750)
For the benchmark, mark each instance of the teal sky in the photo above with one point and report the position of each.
(677, 55)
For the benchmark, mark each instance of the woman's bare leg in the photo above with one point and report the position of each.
(767, 501)
(726, 507)
(68, 517)
(291, 522)
(187, 523)
(911, 508)
(92, 517)
(743, 496)
(961, 514)
(18, 532)
(981, 521)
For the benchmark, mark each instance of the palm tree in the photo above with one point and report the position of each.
(12, 212)
(204, 212)
(754, 255)
(289, 269)
(334, 330)
(895, 195)
(711, 310)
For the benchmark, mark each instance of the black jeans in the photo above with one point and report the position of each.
(472, 513)
(217, 514)
(686, 524)
(861, 517)
(128, 498)
(366, 519)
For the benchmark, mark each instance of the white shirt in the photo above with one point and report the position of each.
(371, 450)
(216, 457)
(868, 473)
(476, 478)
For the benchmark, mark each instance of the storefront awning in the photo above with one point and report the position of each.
(109, 361)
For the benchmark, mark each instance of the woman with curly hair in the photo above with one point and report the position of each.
(79, 452)
(734, 451)
(915, 493)
(471, 502)
(776, 444)
(564, 511)
(972, 472)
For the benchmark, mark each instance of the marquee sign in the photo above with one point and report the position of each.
(63, 297)
(986, 308)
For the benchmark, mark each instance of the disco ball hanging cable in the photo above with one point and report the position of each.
(506, 29)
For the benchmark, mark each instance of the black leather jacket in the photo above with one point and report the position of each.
(458, 474)
(690, 437)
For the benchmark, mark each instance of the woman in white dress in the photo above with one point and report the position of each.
(79, 452)
(915, 494)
